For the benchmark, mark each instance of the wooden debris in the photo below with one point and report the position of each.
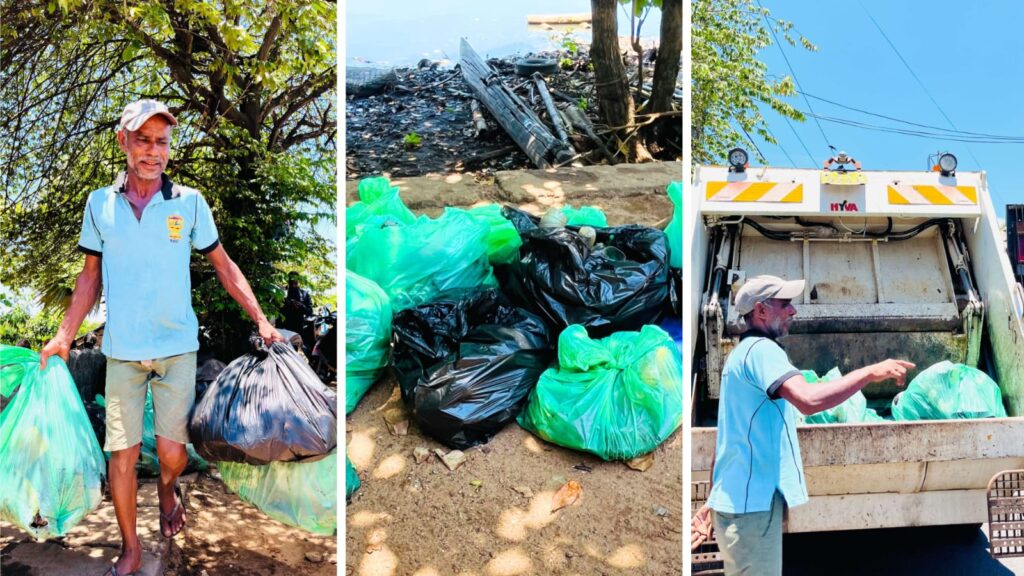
(479, 123)
(517, 119)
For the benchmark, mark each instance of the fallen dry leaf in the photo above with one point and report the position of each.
(566, 495)
(641, 463)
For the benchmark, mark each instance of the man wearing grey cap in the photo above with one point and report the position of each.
(757, 471)
(137, 236)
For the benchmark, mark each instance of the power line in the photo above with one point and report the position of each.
(781, 147)
(914, 74)
(801, 140)
(953, 137)
(800, 88)
(956, 132)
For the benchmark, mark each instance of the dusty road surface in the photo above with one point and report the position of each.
(492, 515)
(227, 537)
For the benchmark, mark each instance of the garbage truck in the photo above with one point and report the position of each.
(899, 264)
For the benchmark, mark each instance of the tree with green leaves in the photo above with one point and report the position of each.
(730, 84)
(252, 85)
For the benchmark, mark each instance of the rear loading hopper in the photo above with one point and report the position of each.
(898, 265)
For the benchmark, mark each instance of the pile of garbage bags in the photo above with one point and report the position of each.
(367, 336)
(948, 391)
(466, 362)
(853, 410)
(351, 479)
(53, 467)
(617, 397)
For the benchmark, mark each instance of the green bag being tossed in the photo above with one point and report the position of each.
(947, 391)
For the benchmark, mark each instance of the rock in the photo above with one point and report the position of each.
(314, 557)
(363, 81)
(421, 454)
(454, 459)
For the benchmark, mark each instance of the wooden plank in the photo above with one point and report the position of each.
(534, 19)
(511, 113)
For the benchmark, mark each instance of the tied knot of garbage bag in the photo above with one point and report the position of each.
(619, 283)
(466, 363)
(618, 397)
(265, 409)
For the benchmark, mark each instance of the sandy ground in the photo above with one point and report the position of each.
(227, 537)
(492, 516)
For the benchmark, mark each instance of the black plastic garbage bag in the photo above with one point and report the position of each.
(467, 362)
(621, 283)
(266, 406)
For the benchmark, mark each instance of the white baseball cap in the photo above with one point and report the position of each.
(761, 288)
(136, 114)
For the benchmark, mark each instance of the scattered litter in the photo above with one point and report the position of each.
(660, 511)
(583, 468)
(566, 495)
(477, 483)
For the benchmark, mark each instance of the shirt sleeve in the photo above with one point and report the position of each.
(89, 239)
(769, 367)
(204, 232)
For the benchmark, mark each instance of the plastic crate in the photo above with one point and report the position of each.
(705, 560)
(1006, 514)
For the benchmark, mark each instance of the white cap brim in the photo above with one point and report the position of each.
(790, 290)
(135, 123)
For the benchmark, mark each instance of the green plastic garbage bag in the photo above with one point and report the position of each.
(415, 263)
(52, 467)
(503, 239)
(15, 362)
(585, 216)
(947, 391)
(616, 397)
(367, 336)
(351, 479)
(379, 203)
(300, 494)
(853, 410)
(674, 230)
(149, 462)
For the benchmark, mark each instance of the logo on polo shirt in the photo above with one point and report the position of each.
(174, 226)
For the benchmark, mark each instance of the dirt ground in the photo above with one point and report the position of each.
(492, 516)
(227, 537)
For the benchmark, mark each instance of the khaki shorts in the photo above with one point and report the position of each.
(751, 544)
(173, 382)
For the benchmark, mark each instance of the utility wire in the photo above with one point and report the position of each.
(781, 147)
(801, 140)
(800, 88)
(914, 74)
(754, 144)
(955, 132)
(953, 137)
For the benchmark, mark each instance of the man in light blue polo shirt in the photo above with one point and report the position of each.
(137, 236)
(757, 471)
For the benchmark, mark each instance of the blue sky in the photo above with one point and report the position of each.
(968, 55)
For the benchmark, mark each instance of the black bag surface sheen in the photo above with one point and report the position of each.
(266, 406)
(619, 283)
(467, 362)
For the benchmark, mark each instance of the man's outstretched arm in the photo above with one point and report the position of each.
(83, 298)
(234, 282)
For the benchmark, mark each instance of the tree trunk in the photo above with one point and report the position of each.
(666, 68)
(613, 96)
